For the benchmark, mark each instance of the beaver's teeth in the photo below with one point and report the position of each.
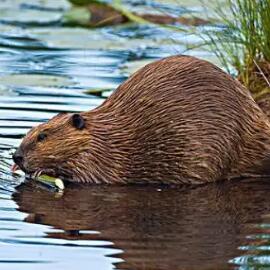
(39, 173)
(35, 174)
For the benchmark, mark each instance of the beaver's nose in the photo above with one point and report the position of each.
(18, 158)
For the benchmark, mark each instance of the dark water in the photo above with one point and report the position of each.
(46, 68)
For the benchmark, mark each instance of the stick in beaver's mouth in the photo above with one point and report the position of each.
(57, 182)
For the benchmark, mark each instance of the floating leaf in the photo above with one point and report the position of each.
(83, 2)
(132, 66)
(77, 16)
(97, 91)
(34, 80)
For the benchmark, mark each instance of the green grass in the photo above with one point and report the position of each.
(244, 41)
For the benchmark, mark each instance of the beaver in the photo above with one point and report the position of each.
(178, 120)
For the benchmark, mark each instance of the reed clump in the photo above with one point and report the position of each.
(243, 42)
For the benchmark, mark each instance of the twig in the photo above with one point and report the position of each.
(261, 72)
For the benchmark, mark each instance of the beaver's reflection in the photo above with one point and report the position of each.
(169, 229)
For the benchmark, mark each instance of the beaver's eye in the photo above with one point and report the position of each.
(41, 137)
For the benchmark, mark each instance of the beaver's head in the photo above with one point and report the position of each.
(48, 147)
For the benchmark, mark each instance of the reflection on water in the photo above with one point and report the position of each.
(153, 227)
(46, 68)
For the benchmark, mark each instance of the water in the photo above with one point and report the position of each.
(46, 68)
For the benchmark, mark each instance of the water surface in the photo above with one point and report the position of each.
(46, 68)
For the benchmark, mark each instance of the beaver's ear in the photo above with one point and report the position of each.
(78, 121)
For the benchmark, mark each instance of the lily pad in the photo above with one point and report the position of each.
(29, 16)
(41, 4)
(132, 66)
(35, 80)
(82, 38)
(83, 2)
(97, 91)
(77, 16)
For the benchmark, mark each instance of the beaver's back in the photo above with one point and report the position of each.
(185, 120)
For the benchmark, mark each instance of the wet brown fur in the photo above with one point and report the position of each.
(177, 120)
